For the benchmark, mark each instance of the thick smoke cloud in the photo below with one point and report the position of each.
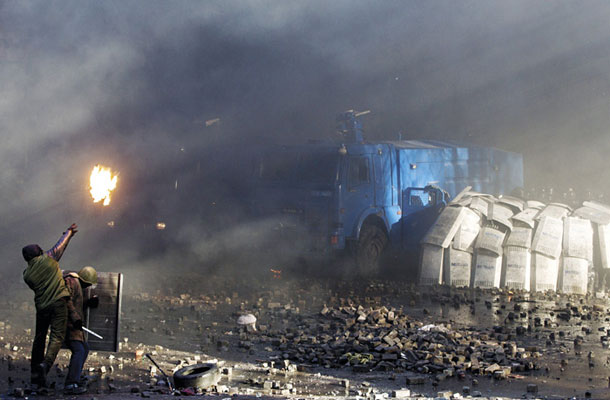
(130, 85)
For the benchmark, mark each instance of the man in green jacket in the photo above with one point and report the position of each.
(45, 278)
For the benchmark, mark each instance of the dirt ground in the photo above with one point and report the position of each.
(193, 319)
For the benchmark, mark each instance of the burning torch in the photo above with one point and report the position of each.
(102, 182)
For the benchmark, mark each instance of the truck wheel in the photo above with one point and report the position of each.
(197, 376)
(371, 244)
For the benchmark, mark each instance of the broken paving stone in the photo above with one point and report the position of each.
(401, 393)
(416, 380)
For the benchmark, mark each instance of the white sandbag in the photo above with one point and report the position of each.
(514, 202)
(490, 239)
(458, 267)
(487, 269)
(445, 226)
(480, 204)
(468, 231)
(546, 271)
(535, 204)
(527, 217)
(554, 210)
(577, 238)
(574, 275)
(548, 237)
(431, 266)
(520, 236)
(592, 214)
(597, 205)
(604, 244)
(501, 214)
(517, 268)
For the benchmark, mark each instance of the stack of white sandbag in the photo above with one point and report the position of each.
(487, 242)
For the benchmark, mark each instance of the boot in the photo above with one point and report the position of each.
(43, 370)
(74, 388)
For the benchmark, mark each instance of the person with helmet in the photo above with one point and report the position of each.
(44, 277)
(75, 338)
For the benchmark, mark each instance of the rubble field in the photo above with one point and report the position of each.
(320, 337)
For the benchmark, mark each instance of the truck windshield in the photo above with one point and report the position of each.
(305, 167)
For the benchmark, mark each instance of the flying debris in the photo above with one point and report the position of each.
(102, 182)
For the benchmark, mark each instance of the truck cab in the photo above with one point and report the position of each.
(364, 197)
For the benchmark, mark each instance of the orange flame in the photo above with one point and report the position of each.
(102, 182)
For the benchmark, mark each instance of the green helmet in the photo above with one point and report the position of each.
(88, 275)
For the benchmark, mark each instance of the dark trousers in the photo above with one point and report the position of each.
(80, 351)
(55, 316)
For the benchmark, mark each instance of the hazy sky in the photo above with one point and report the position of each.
(131, 83)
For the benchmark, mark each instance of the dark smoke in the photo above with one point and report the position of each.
(130, 85)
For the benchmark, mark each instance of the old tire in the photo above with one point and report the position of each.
(369, 248)
(197, 376)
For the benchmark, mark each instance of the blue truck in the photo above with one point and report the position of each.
(365, 197)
